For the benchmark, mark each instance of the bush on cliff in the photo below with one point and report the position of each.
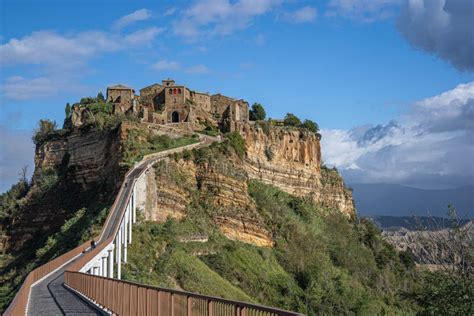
(257, 112)
(44, 129)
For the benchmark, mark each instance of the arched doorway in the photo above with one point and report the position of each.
(175, 117)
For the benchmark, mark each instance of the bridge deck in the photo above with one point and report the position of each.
(51, 297)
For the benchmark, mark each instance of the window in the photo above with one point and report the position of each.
(179, 91)
(170, 91)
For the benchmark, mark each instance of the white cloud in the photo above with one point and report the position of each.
(198, 70)
(50, 48)
(362, 10)
(221, 17)
(302, 15)
(166, 65)
(59, 57)
(139, 15)
(433, 143)
(143, 36)
(442, 27)
(169, 11)
(19, 88)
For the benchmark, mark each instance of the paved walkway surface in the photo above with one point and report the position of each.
(51, 297)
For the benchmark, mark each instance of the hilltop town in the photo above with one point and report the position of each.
(173, 103)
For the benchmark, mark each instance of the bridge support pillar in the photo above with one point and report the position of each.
(125, 233)
(118, 247)
(110, 262)
(130, 222)
(99, 267)
(104, 265)
(134, 204)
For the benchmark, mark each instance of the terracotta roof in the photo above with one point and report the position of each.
(119, 87)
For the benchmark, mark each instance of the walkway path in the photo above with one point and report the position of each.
(50, 296)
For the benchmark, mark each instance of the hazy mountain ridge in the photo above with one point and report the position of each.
(397, 200)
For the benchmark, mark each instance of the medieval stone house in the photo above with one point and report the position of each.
(169, 103)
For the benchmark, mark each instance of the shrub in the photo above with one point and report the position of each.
(311, 126)
(269, 153)
(291, 120)
(44, 129)
(237, 142)
(257, 112)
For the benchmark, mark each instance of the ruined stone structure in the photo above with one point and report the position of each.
(168, 103)
(123, 98)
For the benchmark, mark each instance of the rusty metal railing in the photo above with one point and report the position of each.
(19, 304)
(130, 298)
(122, 297)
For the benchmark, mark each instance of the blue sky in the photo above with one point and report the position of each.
(343, 63)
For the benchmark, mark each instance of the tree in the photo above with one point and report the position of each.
(291, 120)
(45, 127)
(68, 110)
(257, 112)
(450, 289)
(310, 125)
(100, 97)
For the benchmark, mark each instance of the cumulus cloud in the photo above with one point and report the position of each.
(432, 143)
(220, 16)
(19, 88)
(139, 15)
(362, 10)
(51, 48)
(198, 70)
(59, 56)
(143, 36)
(441, 27)
(302, 15)
(166, 65)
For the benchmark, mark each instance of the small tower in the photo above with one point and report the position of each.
(168, 83)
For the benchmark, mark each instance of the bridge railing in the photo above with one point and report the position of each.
(130, 298)
(19, 304)
(92, 273)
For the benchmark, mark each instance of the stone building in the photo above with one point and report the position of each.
(123, 98)
(168, 103)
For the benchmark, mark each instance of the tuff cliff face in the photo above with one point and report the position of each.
(86, 158)
(73, 169)
(290, 159)
(173, 187)
(90, 165)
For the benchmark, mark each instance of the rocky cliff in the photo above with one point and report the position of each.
(434, 248)
(218, 180)
(290, 159)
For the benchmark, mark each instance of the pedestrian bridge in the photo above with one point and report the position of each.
(87, 279)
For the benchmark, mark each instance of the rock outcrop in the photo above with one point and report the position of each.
(290, 159)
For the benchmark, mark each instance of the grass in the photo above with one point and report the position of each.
(321, 263)
(138, 144)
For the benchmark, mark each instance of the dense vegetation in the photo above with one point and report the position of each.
(257, 112)
(292, 120)
(81, 226)
(321, 263)
(140, 142)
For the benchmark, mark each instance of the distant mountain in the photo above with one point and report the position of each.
(398, 200)
(390, 223)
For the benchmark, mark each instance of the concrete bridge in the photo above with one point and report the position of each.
(87, 279)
